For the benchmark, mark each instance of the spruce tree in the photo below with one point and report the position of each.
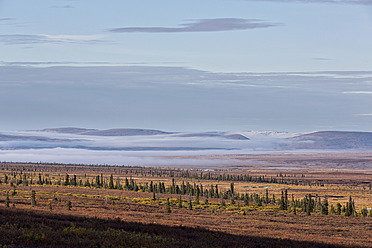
(40, 181)
(311, 204)
(67, 180)
(364, 212)
(333, 210)
(197, 198)
(33, 198)
(285, 200)
(98, 182)
(282, 202)
(232, 189)
(153, 193)
(349, 210)
(190, 205)
(74, 181)
(168, 207)
(324, 206)
(7, 199)
(111, 183)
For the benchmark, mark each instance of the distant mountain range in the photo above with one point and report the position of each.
(7, 137)
(136, 132)
(130, 139)
(107, 132)
(333, 140)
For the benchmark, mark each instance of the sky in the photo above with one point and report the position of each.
(221, 65)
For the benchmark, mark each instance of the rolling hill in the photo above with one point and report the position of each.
(332, 140)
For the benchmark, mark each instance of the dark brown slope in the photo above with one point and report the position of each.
(19, 228)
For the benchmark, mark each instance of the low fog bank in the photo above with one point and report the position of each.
(83, 156)
(169, 149)
(136, 150)
(211, 141)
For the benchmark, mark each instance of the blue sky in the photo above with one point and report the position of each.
(186, 65)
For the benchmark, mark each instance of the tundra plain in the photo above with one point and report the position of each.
(90, 205)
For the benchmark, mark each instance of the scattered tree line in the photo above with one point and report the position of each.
(309, 204)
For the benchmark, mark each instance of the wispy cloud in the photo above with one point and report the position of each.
(63, 6)
(363, 2)
(6, 19)
(72, 38)
(12, 39)
(54, 63)
(368, 114)
(137, 76)
(358, 92)
(203, 25)
(321, 59)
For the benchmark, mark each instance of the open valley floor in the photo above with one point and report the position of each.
(274, 200)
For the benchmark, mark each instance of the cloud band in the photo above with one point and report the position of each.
(203, 25)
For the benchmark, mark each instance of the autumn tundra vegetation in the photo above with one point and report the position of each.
(60, 205)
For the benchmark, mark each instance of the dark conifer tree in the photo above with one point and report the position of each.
(33, 198)
(40, 181)
(349, 210)
(98, 182)
(364, 212)
(7, 199)
(180, 202)
(285, 200)
(232, 189)
(324, 207)
(190, 205)
(67, 180)
(74, 181)
(168, 206)
(282, 202)
(153, 193)
(14, 192)
(111, 182)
